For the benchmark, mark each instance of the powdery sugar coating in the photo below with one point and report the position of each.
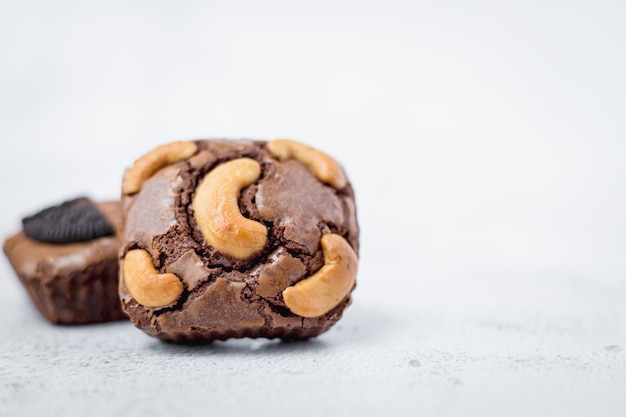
(224, 296)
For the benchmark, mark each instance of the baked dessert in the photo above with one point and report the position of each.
(224, 238)
(66, 257)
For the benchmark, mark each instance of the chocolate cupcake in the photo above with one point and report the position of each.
(226, 239)
(66, 258)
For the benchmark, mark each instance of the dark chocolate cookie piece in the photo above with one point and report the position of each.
(73, 221)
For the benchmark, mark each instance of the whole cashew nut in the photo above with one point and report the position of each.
(325, 168)
(154, 160)
(324, 290)
(217, 209)
(146, 285)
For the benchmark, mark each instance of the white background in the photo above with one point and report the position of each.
(485, 140)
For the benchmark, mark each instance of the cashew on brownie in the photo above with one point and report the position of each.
(227, 238)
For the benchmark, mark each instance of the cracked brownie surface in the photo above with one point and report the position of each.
(194, 285)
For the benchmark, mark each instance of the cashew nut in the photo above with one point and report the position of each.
(217, 209)
(325, 168)
(154, 160)
(324, 290)
(146, 285)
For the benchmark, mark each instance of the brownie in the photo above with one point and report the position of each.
(66, 258)
(237, 238)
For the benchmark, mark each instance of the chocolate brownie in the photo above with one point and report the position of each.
(66, 257)
(225, 238)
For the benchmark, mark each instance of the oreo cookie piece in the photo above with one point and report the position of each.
(73, 221)
(66, 258)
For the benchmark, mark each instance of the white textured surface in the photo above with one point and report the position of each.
(512, 355)
(499, 290)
